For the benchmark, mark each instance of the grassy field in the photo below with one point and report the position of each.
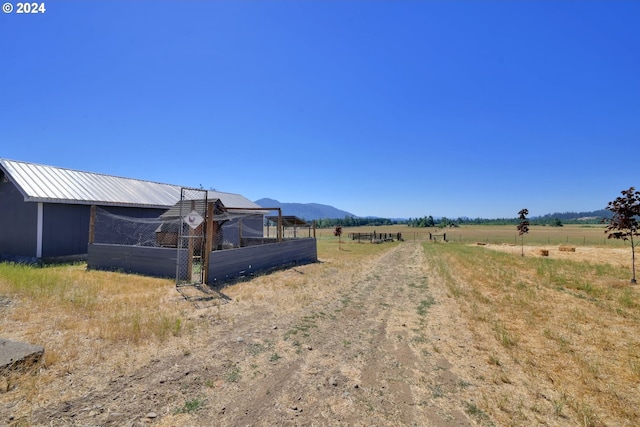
(560, 335)
(586, 235)
(572, 323)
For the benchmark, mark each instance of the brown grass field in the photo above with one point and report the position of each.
(404, 333)
(591, 235)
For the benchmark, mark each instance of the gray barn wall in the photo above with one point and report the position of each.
(66, 227)
(65, 230)
(18, 225)
(118, 233)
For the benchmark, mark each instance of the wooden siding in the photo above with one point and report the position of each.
(235, 263)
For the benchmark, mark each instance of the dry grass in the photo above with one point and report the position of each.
(340, 261)
(570, 235)
(569, 329)
(557, 337)
(87, 318)
(102, 306)
(96, 324)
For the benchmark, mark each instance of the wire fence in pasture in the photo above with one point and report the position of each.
(550, 236)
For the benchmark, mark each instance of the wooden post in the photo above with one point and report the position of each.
(280, 225)
(92, 225)
(208, 245)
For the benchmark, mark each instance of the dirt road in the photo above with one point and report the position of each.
(381, 345)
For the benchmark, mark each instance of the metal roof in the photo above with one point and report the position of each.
(290, 221)
(40, 183)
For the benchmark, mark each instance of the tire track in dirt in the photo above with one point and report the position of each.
(365, 355)
(364, 358)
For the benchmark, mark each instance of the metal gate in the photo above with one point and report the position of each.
(190, 264)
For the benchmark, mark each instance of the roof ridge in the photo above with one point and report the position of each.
(90, 173)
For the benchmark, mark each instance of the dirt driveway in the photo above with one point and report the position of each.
(380, 344)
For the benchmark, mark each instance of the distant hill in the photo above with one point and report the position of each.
(307, 211)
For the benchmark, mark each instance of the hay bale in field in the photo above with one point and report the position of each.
(544, 252)
(480, 243)
(565, 248)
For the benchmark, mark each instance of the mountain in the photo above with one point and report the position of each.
(307, 211)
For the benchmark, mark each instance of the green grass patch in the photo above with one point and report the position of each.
(233, 376)
(424, 305)
(190, 407)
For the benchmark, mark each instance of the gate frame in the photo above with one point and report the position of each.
(191, 236)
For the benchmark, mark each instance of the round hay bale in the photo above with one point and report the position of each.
(544, 252)
(565, 248)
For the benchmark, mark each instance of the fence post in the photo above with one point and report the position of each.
(208, 246)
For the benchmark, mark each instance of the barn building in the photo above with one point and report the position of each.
(45, 210)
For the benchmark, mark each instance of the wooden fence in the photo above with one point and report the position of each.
(375, 237)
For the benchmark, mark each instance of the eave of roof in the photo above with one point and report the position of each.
(49, 184)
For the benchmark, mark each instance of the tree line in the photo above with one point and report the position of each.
(350, 221)
(556, 219)
(552, 220)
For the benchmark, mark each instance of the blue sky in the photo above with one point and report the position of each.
(385, 108)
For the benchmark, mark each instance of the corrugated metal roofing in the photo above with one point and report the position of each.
(40, 183)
